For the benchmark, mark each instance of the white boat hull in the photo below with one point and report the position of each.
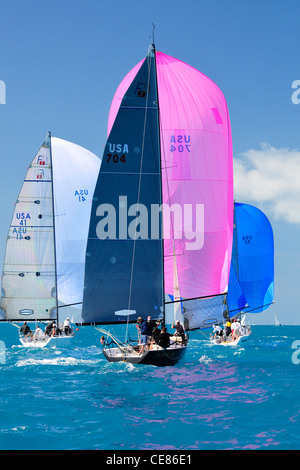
(239, 340)
(61, 341)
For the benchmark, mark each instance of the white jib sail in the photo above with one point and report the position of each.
(75, 172)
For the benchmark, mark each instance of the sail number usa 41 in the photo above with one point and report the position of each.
(20, 231)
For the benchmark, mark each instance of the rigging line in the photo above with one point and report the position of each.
(53, 222)
(240, 310)
(197, 298)
(114, 339)
(261, 306)
(200, 331)
(139, 187)
(69, 305)
(205, 336)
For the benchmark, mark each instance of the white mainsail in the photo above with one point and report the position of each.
(28, 282)
(47, 236)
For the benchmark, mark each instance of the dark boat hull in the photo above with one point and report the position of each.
(157, 357)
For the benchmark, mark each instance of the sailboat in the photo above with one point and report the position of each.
(276, 321)
(251, 281)
(45, 250)
(162, 216)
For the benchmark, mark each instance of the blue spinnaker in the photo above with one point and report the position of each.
(251, 281)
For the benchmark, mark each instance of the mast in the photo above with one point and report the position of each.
(160, 168)
(153, 42)
(53, 221)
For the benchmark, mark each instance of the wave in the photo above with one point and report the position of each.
(58, 361)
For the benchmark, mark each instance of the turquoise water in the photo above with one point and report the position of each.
(246, 397)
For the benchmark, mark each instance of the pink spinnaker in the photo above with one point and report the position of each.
(197, 174)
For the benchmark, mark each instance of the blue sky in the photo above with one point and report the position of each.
(62, 61)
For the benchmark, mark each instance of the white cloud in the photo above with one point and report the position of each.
(270, 176)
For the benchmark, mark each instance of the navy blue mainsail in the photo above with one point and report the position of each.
(124, 263)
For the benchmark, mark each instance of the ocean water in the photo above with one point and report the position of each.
(243, 397)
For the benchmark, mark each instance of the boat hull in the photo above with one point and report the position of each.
(62, 341)
(158, 357)
(239, 340)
